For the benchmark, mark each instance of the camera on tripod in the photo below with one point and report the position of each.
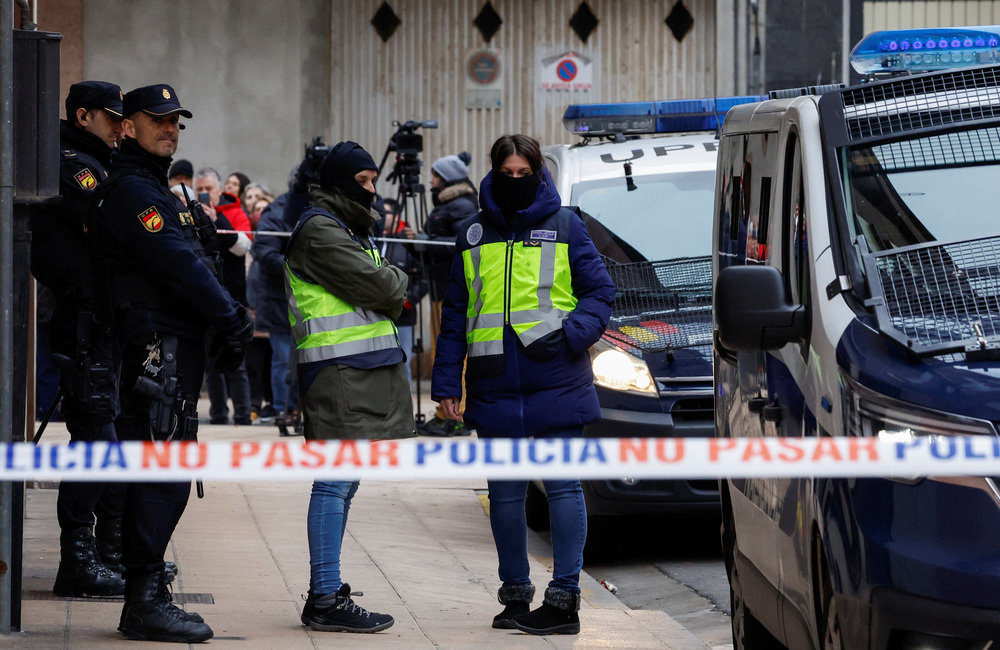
(315, 153)
(408, 144)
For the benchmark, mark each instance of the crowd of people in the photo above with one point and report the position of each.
(299, 309)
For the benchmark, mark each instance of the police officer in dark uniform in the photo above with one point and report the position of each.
(81, 344)
(158, 287)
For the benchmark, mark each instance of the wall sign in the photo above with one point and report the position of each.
(567, 71)
(483, 79)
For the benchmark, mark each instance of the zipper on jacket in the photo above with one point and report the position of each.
(508, 265)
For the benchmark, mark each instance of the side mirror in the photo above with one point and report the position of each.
(752, 311)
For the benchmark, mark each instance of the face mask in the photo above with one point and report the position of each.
(513, 194)
(358, 194)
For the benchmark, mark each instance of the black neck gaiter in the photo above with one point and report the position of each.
(514, 194)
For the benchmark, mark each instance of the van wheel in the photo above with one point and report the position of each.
(536, 508)
(748, 632)
(831, 633)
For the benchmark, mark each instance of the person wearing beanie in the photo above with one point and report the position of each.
(342, 301)
(60, 261)
(455, 200)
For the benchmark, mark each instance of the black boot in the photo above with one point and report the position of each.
(80, 572)
(108, 533)
(336, 612)
(557, 615)
(149, 614)
(516, 599)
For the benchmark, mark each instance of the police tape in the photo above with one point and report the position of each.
(471, 458)
(391, 240)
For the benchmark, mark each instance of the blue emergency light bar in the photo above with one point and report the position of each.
(634, 118)
(926, 50)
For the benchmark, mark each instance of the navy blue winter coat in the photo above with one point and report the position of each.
(267, 273)
(524, 397)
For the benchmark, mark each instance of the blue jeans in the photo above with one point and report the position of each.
(567, 520)
(223, 385)
(281, 349)
(328, 507)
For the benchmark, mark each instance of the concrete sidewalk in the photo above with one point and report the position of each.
(420, 551)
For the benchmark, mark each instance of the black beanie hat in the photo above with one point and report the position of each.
(339, 168)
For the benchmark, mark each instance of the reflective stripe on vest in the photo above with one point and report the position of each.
(328, 328)
(529, 287)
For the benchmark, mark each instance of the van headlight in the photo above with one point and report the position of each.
(868, 413)
(618, 370)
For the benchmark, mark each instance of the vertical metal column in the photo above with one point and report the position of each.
(6, 294)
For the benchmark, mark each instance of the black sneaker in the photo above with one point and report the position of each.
(336, 612)
(437, 427)
(456, 428)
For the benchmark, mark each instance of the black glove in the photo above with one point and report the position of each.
(229, 347)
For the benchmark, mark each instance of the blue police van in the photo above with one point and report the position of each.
(857, 293)
(643, 178)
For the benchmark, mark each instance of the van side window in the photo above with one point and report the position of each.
(794, 218)
(732, 223)
(757, 237)
(736, 207)
(759, 160)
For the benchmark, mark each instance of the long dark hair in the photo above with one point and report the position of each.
(516, 145)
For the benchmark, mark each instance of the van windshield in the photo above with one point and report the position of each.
(942, 188)
(666, 216)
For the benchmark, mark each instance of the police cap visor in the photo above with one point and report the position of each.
(95, 94)
(156, 101)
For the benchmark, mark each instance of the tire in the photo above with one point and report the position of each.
(536, 508)
(748, 632)
(831, 632)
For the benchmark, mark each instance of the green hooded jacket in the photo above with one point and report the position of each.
(344, 402)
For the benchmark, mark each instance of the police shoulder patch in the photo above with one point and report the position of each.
(474, 234)
(86, 179)
(151, 220)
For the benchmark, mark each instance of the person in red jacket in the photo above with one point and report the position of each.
(228, 214)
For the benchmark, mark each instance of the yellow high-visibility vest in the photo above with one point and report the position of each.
(525, 284)
(327, 328)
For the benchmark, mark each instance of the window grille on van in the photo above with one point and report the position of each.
(962, 149)
(937, 298)
(662, 305)
(912, 103)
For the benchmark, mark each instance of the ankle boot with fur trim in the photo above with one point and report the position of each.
(516, 599)
(557, 615)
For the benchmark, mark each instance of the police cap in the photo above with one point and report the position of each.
(94, 94)
(157, 100)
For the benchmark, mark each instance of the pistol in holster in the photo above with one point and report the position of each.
(172, 415)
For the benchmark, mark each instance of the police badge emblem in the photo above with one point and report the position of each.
(151, 220)
(166, 94)
(474, 234)
(85, 179)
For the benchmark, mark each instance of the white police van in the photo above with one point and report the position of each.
(857, 293)
(643, 177)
